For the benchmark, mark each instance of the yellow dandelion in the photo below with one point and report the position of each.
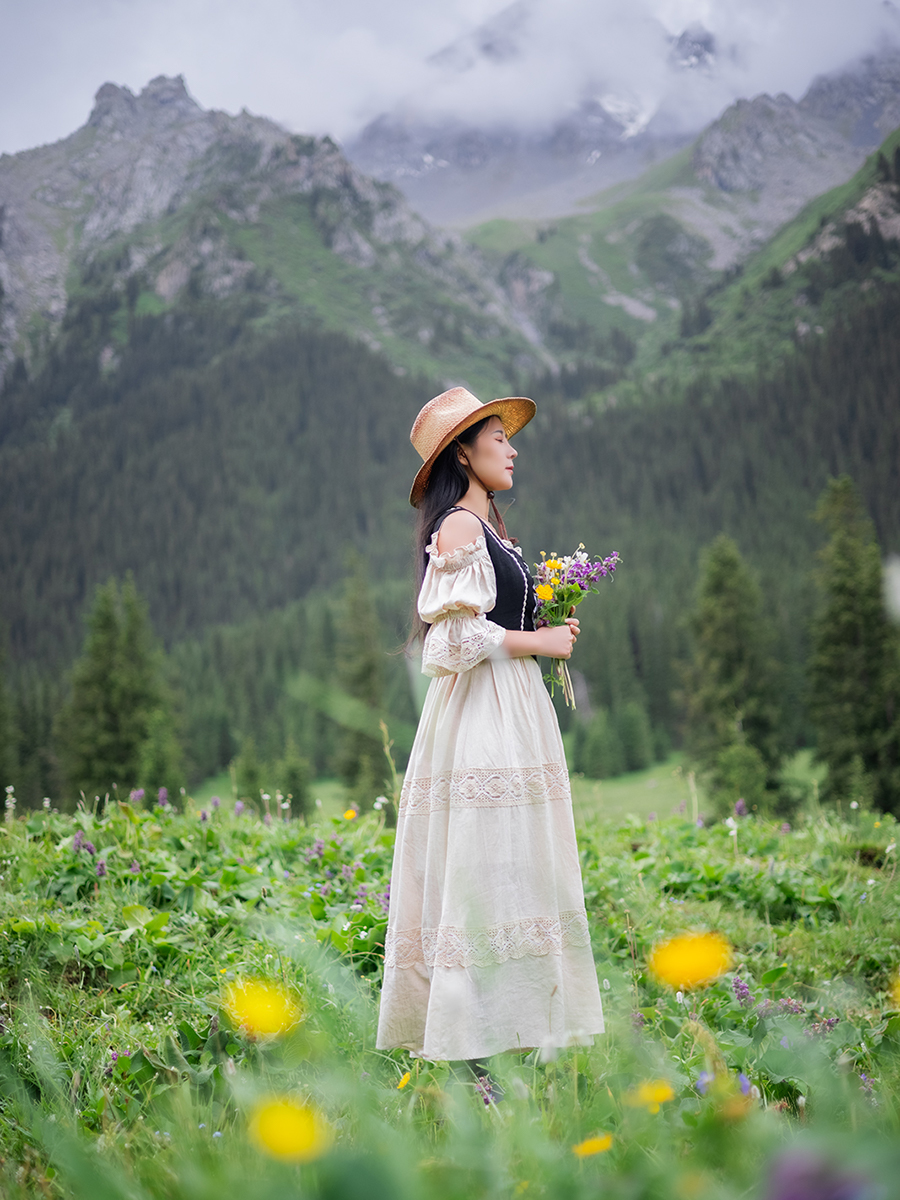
(544, 591)
(262, 1008)
(895, 990)
(404, 1081)
(290, 1130)
(650, 1095)
(691, 960)
(593, 1145)
(349, 814)
(877, 824)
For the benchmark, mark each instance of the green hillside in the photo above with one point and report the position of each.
(230, 451)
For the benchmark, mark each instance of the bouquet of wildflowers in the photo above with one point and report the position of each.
(561, 584)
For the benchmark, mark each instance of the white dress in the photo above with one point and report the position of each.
(487, 946)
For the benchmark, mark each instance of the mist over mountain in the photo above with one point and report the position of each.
(550, 141)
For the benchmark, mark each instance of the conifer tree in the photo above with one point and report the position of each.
(118, 696)
(854, 665)
(728, 685)
(361, 763)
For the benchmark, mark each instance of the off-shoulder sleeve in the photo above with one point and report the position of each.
(458, 589)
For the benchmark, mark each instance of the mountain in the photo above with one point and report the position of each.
(162, 196)
(464, 171)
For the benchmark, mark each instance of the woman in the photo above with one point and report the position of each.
(487, 947)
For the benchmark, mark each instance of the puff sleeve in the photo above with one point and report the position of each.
(458, 589)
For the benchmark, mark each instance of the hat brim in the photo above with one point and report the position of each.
(514, 411)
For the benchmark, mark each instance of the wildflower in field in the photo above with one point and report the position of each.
(741, 992)
(350, 814)
(593, 1145)
(262, 1008)
(650, 1095)
(163, 797)
(101, 869)
(690, 960)
(704, 1079)
(238, 807)
(544, 591)
(404, 1081)
(204, 815)
(215, 802)
(740, 807)
(290, 1130)
(895, 990)
(136, 795)
(135, 867)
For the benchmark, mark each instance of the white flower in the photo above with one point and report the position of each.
(679, 997)
(853, 804)
(731, 823)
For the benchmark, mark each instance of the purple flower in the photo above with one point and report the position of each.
(820, 1028)
(744, 1083)
(347, 871)
(325, 889)
(163, 797)
(238, 807)
(215, 802)
(699, 822)
(204, 815)
(89, 846)
(785, 1044)
(704, 1079)
(101, 869)
(135, 867)
(740, 807)
(78, 840)
(800, 1175)
(785, 827)
(267, 819)
(385, 899)
(651, 817)
(316, 850)
(791, 1006)
(742, 992)
(638, 1020)
(136, 795)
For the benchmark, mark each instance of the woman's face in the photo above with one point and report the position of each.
(491, 456)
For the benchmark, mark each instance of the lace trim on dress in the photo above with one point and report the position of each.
(486, 787)
(451, 655)
(447, 946)
(462, 556)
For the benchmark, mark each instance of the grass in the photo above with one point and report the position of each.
(123, 1075)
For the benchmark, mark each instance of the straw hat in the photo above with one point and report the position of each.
(446, 416)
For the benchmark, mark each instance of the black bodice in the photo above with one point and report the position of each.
(516, 600)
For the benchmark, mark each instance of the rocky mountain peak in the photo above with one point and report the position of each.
(164, 100)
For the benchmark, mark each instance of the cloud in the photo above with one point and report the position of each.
(330, 67)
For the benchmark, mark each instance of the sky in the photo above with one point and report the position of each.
(329, 67)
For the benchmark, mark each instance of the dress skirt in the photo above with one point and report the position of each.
(487, 947)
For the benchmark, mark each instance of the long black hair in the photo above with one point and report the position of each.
(447, 484)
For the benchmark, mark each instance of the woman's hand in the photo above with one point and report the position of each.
(558, 641)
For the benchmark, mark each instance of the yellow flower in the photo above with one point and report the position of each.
(895, 990)
(877, 824)
(554, 579)
(404, 1081)
(349, 814)
(262, 1008)
(544, 591)
(691, 960)
(290, 1130)
(553, 564)
(594, 1145)
(650, 1095)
